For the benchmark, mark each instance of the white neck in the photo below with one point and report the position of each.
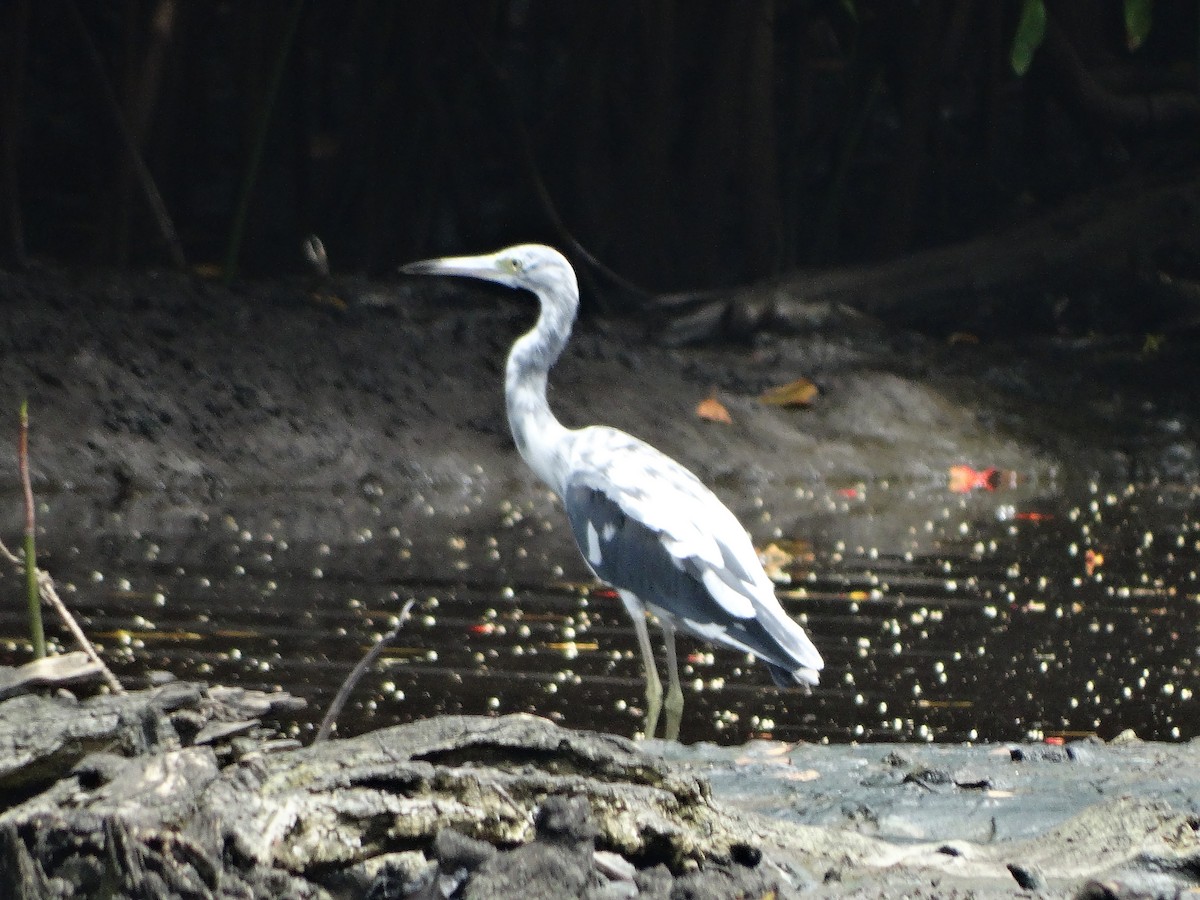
(541, 439)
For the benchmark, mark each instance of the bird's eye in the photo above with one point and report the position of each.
(515, 264)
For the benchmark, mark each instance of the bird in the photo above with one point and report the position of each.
(645, 524)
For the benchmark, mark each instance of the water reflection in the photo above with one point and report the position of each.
(989, 616)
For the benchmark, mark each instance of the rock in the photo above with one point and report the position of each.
(1029, 878)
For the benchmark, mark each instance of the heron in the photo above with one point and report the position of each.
(644, 524)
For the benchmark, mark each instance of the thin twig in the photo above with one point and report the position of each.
(49, 593)
(36, 632)
(356, 675)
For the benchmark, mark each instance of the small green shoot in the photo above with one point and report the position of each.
(33, 595)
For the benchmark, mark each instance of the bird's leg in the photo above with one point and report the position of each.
(654, 691)
(673, 706)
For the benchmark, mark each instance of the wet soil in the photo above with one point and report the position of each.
(158, 395)
(158, 400)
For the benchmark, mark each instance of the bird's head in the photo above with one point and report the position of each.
(533, 267)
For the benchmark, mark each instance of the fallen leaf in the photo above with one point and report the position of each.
(800, 392)
(964, 479)
(778, 556)
(1092, 561)
(962, 337)
(774, 556)
(713, 410)
(796, 548)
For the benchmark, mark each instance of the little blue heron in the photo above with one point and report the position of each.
(645, 524)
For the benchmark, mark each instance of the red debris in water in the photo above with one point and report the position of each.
(1055, 741)
(964, 479)
(852, 493)
(1034, 516)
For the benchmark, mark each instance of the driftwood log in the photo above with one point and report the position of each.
(184, 791)
(1123, 241)
(181, 792)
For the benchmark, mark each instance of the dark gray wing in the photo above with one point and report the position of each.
(628, 555)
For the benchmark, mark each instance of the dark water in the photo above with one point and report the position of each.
(942, 617)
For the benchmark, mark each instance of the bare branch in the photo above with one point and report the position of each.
(356, 675)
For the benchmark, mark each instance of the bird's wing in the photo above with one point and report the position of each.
(691, 523)
(646, 524)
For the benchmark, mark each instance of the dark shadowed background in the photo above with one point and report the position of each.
(684, 145)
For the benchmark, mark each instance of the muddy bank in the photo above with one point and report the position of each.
(157, 397)
(184, 791)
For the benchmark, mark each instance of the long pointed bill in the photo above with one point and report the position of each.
(487, 268)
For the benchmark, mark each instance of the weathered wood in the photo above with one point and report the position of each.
(112, 796)
(483, 777)
(43, 738)
(50, 671)
(107, 796)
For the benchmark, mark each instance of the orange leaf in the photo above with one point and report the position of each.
(781, 553)
(964, 479)
(800, 392)
(713, 410)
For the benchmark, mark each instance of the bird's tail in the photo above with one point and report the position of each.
(801, 660)
(786, 678)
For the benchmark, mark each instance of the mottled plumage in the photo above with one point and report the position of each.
(644, 523)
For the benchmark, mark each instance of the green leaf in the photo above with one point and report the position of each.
(1030, 31)
(1137, 22)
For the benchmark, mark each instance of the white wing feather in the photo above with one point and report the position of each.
(665, 497)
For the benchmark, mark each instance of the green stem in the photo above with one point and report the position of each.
(33, 595)
(35, 601)
(250, 177)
